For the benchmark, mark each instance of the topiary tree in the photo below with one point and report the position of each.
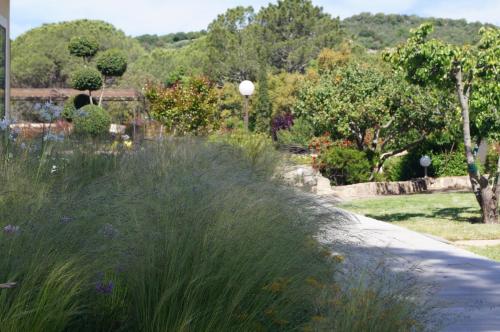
(92, 120)
(111, 63)
(87, 79)
(83, 47)
(472, 73)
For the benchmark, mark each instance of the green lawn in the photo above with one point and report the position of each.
(492, 252)
(452, 216)
(447, 215)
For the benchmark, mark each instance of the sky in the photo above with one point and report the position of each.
(137, 17)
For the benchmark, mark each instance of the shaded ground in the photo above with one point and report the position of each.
(449, 216)
(467, 286)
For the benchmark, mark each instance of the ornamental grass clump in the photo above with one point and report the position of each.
(181, 235)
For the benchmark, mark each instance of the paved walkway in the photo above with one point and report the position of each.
(467, 285)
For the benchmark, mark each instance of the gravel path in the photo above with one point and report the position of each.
(467, 286)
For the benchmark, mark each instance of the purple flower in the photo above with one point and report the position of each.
(281, 122)
(109, 231)
(66, 219)
(4, 124)
(11, 229)
(104, 287)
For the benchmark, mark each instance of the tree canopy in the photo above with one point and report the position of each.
(284, 36)
(369, 106)
(472, 73)
(40, 57)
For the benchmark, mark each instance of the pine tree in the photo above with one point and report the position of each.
(263, 108)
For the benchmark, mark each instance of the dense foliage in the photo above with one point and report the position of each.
(472, 75)
(172, 40)
(378, 31)
(376, 110)
(187, 107)
(285, 36)
(92, 120)
(40, 57)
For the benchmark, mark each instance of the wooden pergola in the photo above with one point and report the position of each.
(28, 94)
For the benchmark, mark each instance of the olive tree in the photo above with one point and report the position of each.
(472, 73)
(111, 64)
(87, 79)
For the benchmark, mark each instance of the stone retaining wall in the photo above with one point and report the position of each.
(401, 188)
(310, 180)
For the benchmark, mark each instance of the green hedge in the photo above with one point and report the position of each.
(408, 167)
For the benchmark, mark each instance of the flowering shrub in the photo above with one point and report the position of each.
(187, 107)
(48, 112)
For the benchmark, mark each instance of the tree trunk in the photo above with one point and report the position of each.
(102, 91)
(486, 196)
(90, 97)
(246, 113)
(489, 206)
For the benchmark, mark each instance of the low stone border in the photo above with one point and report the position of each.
(311, 180)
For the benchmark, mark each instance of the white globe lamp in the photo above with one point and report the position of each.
(247, 88)
(425, 162)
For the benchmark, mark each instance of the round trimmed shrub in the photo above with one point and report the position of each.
(83, 47)
(86, 79)
(345, 166)
(112, 63)
(92, 120)
(73, 104)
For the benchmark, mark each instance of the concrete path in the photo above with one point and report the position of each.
(467, 286)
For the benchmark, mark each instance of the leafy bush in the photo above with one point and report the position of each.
(92, 120)
(188, 107)
(86, 79)
(393, 170)
(491, 165)
(112, 63)
(408, 167)
(448, 164)
(298, 136)
(69, 109)
(344, 166)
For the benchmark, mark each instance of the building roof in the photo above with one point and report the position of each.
(22, 94)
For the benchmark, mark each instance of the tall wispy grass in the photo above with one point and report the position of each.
(182, 235)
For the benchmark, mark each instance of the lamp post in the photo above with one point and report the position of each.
(247, 89)
(425, 162)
